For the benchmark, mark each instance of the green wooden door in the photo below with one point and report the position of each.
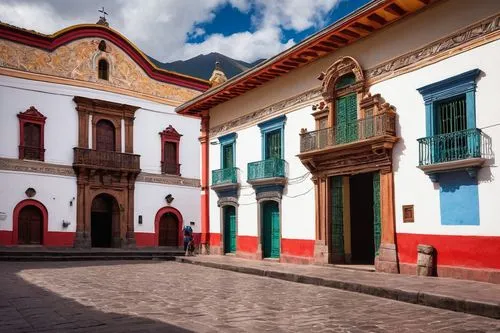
(377, 228)
(270, 230)
(336, 192)
(273, 145)
(346, 116)
(229, 229)
(227, 156)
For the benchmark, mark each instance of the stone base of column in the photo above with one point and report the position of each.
(82, 240)
(387, 259)
(130, 242)
(321, 255)
(258, 253)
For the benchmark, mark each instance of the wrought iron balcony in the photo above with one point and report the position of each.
(458, 150)
(376, 126)
(225, 176)
(171, 168)
(107, 160)
(267, 169)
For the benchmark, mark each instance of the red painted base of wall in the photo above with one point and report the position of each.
(52, 239)
(145, 239)
(455, 272)
(460, 251)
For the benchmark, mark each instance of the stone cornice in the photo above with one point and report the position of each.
(10, 164)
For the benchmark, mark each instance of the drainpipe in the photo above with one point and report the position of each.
(205, 189)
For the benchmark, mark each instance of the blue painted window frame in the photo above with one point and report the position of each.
(454, 86)
(226, 140)
(269, 126)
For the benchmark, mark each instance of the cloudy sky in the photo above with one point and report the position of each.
(171, 30)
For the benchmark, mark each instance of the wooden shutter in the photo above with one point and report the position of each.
(32, 141)
(451, 117)
(346, 116)
(275, 227)
(170, 164)
(377, 228)
(273, 145)
(105, 136)
(227, 156)
(336, 192)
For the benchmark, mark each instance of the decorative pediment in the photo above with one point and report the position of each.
(32, 115)
(344, 65)
(170, 134)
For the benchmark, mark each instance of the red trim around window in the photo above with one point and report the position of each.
(15, 219)
(169, 134)
(158, 216)
(31, 116)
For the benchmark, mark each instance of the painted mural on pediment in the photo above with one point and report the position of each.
(79, 59)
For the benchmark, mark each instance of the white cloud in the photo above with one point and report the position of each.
(161, 27)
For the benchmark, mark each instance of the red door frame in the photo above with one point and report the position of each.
(158, 216)
(15, 219)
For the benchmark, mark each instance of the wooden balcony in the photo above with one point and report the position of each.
(106, 160)
(171, 168)
(360, 146)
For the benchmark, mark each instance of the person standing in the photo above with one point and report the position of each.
(188, 239)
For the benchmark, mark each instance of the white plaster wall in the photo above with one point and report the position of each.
(54, 192)
(149, 198)
(412, 186)
(61, 128)
(298, 201)
(149, 123)
(441, 19)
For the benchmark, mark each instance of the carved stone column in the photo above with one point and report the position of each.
(82, 237)
(129, 135)
(387, 259)
(321, 253)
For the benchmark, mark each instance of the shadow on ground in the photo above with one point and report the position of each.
(25, 307)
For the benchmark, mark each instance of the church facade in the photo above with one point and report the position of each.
(92, 153)
(362, 142)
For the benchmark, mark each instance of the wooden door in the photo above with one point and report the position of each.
(105, 136)
(337, 215)
(273, 145)
(169, 230)
(227, 156)
(270, 230)
(377, 221)
(30, 226)
(229, 229)
(170, 158)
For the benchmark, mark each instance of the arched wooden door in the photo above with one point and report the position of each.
(30, 226)
(169, 230)
(105, 136)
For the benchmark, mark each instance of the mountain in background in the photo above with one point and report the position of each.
(203, 65)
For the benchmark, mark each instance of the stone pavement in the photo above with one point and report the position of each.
(457, 295)
(174, 297)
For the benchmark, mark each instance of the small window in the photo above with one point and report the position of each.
(103, 70)
(31, 141)
(345, 81)
(170, 139)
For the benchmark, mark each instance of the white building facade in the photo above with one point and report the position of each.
(393, 147)
(92, 153)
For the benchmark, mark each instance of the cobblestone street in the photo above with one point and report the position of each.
(156, 297)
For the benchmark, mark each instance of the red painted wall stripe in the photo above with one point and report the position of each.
(297, 247)
(145, 239)
(247, 244)
(463, 251)
(51, 238)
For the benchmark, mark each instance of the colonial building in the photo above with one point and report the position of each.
(370, 137)
(92, 153)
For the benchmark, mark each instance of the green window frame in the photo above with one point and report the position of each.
(227, 151)
(273, 138)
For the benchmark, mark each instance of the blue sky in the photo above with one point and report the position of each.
(171, 30)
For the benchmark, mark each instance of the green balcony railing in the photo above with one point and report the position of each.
(225, 176)
(271, 168)
(460, 145)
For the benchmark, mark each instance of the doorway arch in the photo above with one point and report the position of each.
(105, 221)
(164, 221)
(26, 210)
(229, 226)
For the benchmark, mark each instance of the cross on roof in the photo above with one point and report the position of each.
(103, 13)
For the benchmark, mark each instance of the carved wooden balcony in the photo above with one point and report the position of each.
(106, 160)
(171, 168)
(362, 145)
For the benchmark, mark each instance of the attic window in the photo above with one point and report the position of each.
(103, 70)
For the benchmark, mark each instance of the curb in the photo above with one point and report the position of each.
(435, 300)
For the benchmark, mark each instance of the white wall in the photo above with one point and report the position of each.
(298, 199)
(149, 198)
(54, 192)
(412, 186)
(61, 128)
